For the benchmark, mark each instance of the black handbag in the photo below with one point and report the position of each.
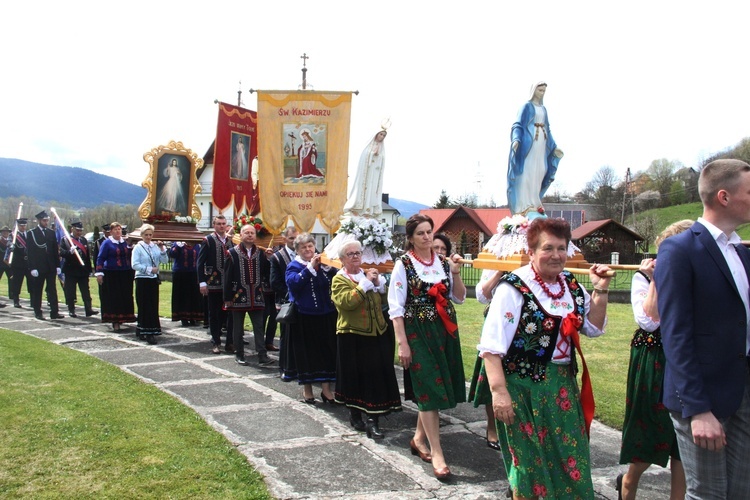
(287, 314)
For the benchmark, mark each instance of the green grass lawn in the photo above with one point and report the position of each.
(76, 427)
(607, 356)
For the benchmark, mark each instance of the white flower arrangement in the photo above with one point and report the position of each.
(511, 238)
(371, 233)
(186, 220)
(515, 224)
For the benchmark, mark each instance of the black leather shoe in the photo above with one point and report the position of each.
(39, 316)
(151, 339)
(56, 316)
(357, 422)
(373, 430)
(17, 304)
(72, 314)
(91, 312)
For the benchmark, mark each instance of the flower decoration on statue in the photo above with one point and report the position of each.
(515, 224)
(511, 237)
(371, 233)
(249, 219)
(167, 217)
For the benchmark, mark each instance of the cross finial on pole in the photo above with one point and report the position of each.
(239, 95)
(304, 58)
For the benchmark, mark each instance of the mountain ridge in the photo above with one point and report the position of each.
(75, 186)
(26, 178)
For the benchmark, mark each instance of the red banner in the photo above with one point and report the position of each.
(235, 149)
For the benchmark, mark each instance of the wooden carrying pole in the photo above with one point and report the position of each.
(575, 270)
(67, 234)
(15, 232)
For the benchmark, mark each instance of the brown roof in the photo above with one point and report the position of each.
(438, 215)
(595, 225)
(485, 219)
(491, 216)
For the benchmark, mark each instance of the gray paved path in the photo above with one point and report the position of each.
(308, 451)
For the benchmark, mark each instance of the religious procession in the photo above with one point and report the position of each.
(345, 312)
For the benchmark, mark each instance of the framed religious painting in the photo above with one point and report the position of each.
(171, 184)
(305, 147)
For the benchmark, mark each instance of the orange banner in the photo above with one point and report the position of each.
(303, 151)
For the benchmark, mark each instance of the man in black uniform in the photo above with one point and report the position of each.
(5, 241)
(98, 243)
(44, 265)
(19, 268)
(76, 274)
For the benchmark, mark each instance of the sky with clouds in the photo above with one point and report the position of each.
(98, 84)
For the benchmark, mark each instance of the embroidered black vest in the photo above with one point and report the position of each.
(537, 332)
(419, 305)
(642, 338)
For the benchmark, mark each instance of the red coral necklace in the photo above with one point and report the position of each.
(426, 264)
(546, 289)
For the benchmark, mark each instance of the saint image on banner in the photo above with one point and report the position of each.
(240, 156)
(172, 185)
(304, 153)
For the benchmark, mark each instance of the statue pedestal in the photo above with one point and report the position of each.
(263, 241)
(383, 268)
(173, 231)
(488, 260)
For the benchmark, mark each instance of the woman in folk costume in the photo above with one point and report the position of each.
(115, 277)
(423, 284)
(146, 258)
(312, 336)
(187, 301)
(365, 377)
(533, 158)
(529, 343)
(648, 435)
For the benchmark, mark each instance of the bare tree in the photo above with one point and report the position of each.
(604, 191)
(648, 227)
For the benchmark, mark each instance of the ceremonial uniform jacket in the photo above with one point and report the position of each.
(41, 246)
(211, 259)
(279, 261)
(71, 265)
(20, 260)
(243, 278)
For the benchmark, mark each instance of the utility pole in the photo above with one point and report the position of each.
(625, 196)
(239, 96)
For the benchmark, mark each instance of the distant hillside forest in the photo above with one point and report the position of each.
(74, 192)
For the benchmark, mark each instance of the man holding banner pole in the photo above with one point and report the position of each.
(76, 270)
(18, 261)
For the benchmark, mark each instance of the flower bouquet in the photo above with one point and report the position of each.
(244, 219)
(376, 239)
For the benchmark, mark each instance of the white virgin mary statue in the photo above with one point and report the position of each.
(366, 192)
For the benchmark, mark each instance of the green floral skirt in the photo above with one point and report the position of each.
(436, 370)
(547, 448)
(647, 432)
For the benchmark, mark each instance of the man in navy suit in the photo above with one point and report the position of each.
(704, 302)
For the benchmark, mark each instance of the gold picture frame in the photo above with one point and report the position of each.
(171, 182)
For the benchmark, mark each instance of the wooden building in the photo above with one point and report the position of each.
(598, 239)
